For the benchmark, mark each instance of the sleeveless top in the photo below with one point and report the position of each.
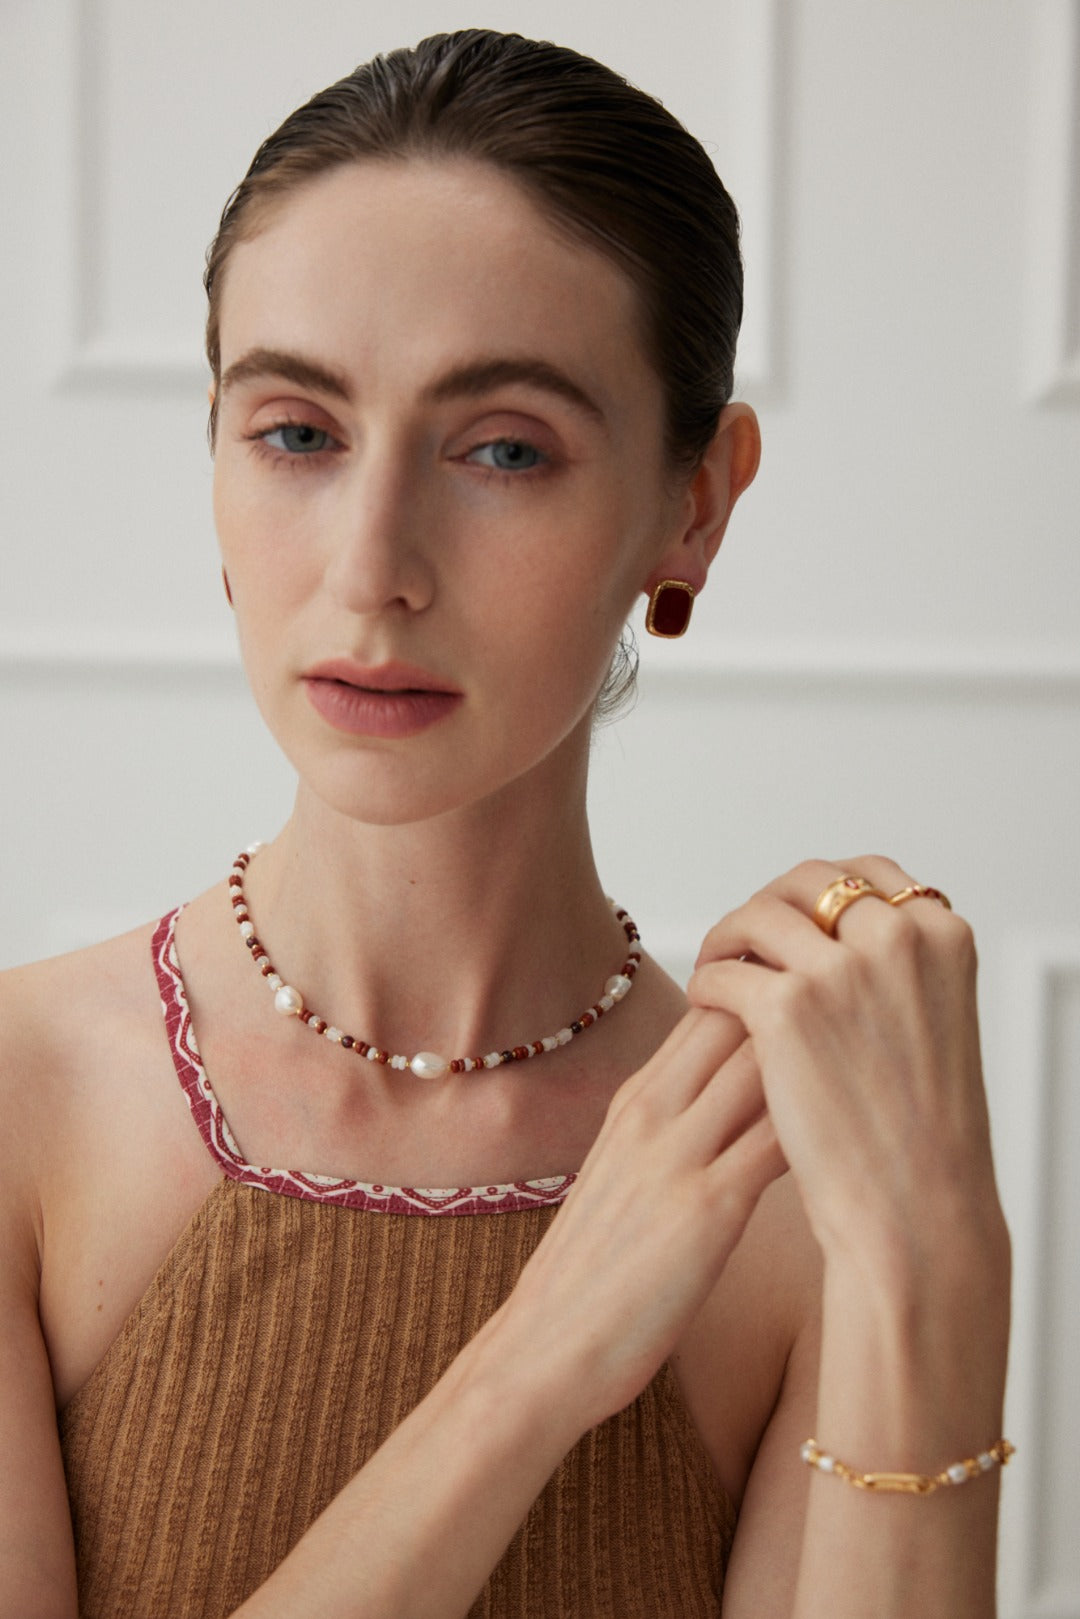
(300, 1318)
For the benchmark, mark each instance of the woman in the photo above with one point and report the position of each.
(317, 1340)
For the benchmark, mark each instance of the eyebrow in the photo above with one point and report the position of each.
(468, 381)
(484, 376)
(258, 363)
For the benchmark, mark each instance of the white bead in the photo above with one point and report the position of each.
(253, 848)
(617, 986)
(398, 1062)
(565, 1036)
(371, 1057)
(827, 1463)
(549, 1042)
(607, 1002)
(288, 1001)
(985, 1460)
(274, 980)
(247, 929)
(429, 1065)
(807, 1451)
(957, 1472)
(333, 1034)
(493, 1059)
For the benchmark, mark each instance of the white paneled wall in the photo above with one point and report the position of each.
(888, 655)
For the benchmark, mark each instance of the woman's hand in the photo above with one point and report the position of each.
(685, 1151)
(853, 1059)
(868, 1047)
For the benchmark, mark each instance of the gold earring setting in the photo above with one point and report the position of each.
(670, 606)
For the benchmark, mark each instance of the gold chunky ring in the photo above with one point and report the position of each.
(918, 891)
(835, 899)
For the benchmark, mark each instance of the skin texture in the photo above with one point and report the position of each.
(439, 891)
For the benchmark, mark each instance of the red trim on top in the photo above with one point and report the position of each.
(221, 1143)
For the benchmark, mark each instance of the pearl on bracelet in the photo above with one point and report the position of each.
(997, 1455)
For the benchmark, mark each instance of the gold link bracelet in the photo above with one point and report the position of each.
(996, 1455)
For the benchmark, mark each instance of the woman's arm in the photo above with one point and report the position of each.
(37, 1559)
(870, 1060)
(809, 1545)
(419, 1529)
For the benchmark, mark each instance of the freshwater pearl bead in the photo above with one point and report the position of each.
(288, 1001)
(426, 1064)
(429, 1065)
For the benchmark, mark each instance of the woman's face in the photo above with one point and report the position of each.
(439, 445)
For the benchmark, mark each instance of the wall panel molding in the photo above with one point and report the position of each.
(100, 357)
(1052, 351)
(1017, 672)
(1043, 1135)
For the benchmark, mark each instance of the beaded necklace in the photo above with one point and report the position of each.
(425, 1064)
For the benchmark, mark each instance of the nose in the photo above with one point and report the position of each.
(378, 538)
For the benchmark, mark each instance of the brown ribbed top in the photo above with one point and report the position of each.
(283, 1339)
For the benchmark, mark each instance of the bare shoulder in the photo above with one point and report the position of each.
(50, 1012)
(106, 1166)
(735, 1365)
(64, 1023)
(67, 1027)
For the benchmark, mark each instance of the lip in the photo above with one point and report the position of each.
(389, 700)
(386, 677)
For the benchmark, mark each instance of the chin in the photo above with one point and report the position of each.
(420, 778)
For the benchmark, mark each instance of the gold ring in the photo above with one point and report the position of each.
(919, 891)
(835, 899)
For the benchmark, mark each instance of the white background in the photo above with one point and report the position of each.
(887, 657)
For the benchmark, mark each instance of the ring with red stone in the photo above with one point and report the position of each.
(835, 899)
(919, 891)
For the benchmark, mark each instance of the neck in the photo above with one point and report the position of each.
(480, 928)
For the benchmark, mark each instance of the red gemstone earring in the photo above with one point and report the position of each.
(670, 606)
(225, 582)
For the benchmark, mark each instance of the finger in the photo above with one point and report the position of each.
(729, 1104)
(699, 1044)
(750, 1164)
(867, 917)
(769, 928)
(798, 891)
(893, 879)
(737, 987)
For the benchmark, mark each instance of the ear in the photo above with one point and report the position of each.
(701, 513)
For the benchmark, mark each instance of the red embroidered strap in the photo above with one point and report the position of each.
(221, 1144)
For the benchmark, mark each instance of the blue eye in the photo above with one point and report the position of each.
(306, 440)
(508, 455)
